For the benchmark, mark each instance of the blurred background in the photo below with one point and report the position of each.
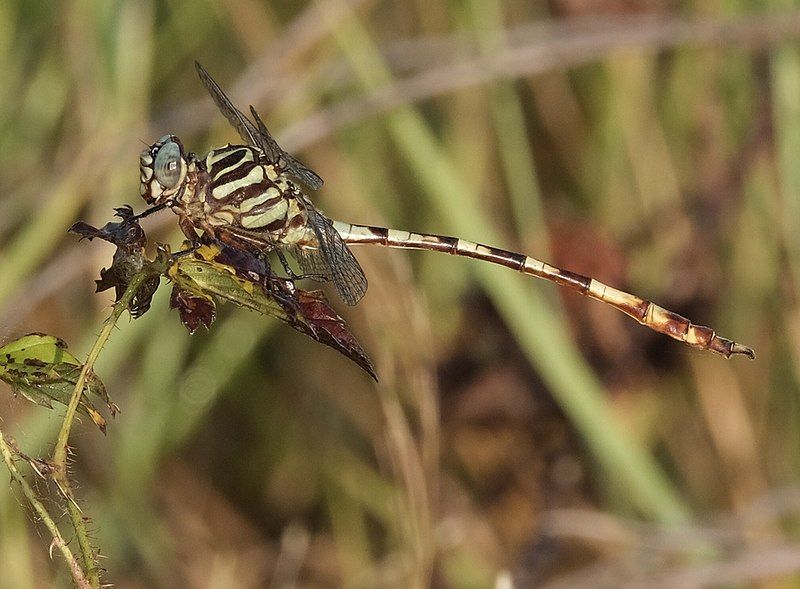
(520, 435)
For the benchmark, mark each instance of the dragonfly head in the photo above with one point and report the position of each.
(163, 169)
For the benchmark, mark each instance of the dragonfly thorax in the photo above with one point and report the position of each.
(241, 191)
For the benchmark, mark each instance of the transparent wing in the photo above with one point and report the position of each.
(311, 262)
(258, 136)
(246, 129)
(284, 159)
(333, 259)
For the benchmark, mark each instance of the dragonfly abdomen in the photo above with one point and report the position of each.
(645, 312)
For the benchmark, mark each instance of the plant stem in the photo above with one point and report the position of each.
(60, 455)
(77, 572)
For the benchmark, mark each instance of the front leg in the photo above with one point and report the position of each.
(188, 228)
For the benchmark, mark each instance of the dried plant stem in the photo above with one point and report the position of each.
(58, 541)
(60, 475)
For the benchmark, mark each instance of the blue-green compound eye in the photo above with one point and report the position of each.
(167, 167)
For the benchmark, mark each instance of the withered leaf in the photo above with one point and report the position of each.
(240, 278)
(127, 234)
(40, 368)
(129, 258)
(194, 310)
(329, 328)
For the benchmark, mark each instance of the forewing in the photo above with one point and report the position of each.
(340, 263)
(284, 159)
(258, 136)
(235, 117)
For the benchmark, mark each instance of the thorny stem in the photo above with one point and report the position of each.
(60, 474)
(58, 541)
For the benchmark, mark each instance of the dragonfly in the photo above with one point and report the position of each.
(251, 197)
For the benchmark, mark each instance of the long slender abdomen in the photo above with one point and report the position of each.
(645, 312)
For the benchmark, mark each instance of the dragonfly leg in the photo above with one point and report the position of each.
(148, 212)
(283, 292)
(293, 276)
(188, 251)
(188, 229)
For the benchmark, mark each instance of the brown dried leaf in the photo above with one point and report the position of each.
(129, 259)
(194, 310)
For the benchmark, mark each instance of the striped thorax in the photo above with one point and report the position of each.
(248, 193)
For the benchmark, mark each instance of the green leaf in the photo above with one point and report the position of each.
(204, 278)
(39, 367)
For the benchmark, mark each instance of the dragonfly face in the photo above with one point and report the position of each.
(163, 168)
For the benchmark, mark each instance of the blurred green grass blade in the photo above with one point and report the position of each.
(786, 108)
(516, 154)
(45, 228)
(467, 570)
(523, 306)
(171, 400)
(147, 421)
(174, 396)
(15, 558)
(230, 350)
(347, 518)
